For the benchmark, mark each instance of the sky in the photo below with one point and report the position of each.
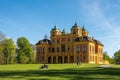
(34, 19)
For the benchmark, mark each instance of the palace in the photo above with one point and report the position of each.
(70, 47)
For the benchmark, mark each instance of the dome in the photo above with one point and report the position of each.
(63, 31)
(83, 29)
(75, 25)
(55, 28)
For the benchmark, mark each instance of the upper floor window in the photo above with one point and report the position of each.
(53, 41)
(53, 50)
(73, 49)
(58, 49)
(43, 50)
(68, 40)
(63, 48)
(73, 39)
(58, 41)
(84, 48)
(78, 48)
(49, 49)
(38, 50)
(68, 48)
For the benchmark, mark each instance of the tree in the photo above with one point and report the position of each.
(117, 57)
(8, 50)
(1, 54)
(2, 37)
(107, 57)
(24, 51)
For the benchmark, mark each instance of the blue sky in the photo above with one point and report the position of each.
(35, 18)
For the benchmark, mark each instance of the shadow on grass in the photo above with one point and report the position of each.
(71, 74)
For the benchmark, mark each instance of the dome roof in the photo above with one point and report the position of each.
(63, 31)
(55, 28)
(83, 29)
(75, 25)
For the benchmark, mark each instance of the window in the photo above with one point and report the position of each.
(72, 49)
(73, 39)
(68, 40)
(49, 50)
(84, 58)
(68, 48)
(90, 48)
(84, 48)
(38, 50)
(53, 41)
(52, 50)
(43, 51)
(58, 49)
(58, 41)
(77, 48)
(63, 48)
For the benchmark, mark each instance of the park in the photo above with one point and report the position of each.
(59, 39)
(59, 72)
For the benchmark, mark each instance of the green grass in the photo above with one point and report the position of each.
(58, 72)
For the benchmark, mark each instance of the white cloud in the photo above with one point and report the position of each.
(96, 16)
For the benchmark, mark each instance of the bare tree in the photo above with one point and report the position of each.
(2, 36)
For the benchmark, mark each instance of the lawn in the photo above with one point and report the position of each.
(58, 72)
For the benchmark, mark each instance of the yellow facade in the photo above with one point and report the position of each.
(70, 47)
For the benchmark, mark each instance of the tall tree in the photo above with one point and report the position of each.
(2, 37)
(1, 54)
(8, 50)
(107, 57)
(24, 51)
(117, 57)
